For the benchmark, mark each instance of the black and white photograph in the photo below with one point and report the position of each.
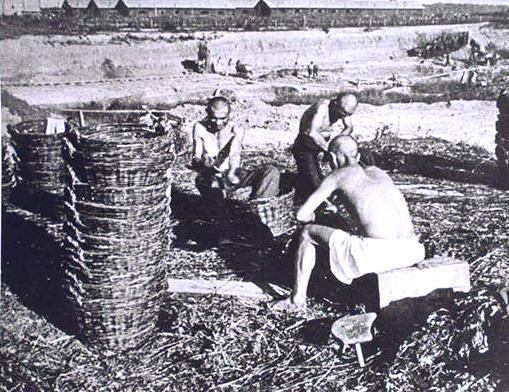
(254, 195)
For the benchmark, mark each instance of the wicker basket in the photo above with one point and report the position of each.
(40, 162)
(118, 231)
(277, 213)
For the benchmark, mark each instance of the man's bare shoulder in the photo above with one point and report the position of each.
(322, 104)
(376, 172)
(347, 174)
(199, 127)
(379, 175)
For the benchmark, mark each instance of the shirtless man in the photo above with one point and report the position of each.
(215, 136)
(318, 125)
(387, 238)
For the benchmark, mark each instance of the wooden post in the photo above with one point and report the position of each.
(360, 356)
(82, 119)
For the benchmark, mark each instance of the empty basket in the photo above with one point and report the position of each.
(40, 165)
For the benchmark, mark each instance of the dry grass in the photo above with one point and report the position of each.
(217, 343)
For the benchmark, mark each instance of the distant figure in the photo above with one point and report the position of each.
(229, 67)
(295, 71)
(204, 56)
(386, 241)
(219, 68)
(317, 127)
(310, 70)
(469, 77)
(447, 60)
(315, 71)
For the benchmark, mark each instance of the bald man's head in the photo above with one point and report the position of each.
(218, 113)
(343, 105)
(345, 149)
(218, 105)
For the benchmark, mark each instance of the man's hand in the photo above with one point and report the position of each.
(208, 161)
(330, 208)
(306, 219)
(232, 178)
(205, 165)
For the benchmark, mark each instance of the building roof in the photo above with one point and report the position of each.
(51, 3)
(233, 4)
(11, 7)
(105, 4)
(202, 4)
(81, 4)
(346, 4)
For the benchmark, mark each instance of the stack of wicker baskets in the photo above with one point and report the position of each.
(118, 230)
(276, 213)
(40, 167)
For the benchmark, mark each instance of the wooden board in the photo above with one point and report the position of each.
(440, 272)
(260, 291)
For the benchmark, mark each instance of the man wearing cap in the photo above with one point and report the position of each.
(319, 124)
(217, 145)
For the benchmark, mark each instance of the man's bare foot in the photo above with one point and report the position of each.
(287, 305)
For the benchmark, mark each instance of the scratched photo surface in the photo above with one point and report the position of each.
(179, 213)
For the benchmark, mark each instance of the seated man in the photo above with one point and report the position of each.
(217, 145)
(387, 238)
(316, 128)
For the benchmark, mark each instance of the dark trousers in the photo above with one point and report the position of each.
(310, 174)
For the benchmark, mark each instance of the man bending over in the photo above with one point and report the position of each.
(387, 239)
(318, 125)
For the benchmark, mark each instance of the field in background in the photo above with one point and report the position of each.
(352, 51)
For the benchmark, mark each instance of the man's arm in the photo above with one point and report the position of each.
(199, 162)
(306, 212)
(317, 123)
(348, 124)
(234, 157)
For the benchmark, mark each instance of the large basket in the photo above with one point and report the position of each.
(40, 162)
(277, 213)
(118, 230)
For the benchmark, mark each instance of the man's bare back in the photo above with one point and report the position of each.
(387, 242)
(374, 201)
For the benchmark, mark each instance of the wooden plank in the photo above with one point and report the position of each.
(228, 288)
(440, 272)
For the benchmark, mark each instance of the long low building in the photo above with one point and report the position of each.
(263, 8)
(196, 8)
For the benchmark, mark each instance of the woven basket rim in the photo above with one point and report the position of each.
(99, 133)
(289, 192)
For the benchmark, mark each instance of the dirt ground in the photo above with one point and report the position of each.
(151, 74)
(213, 343)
